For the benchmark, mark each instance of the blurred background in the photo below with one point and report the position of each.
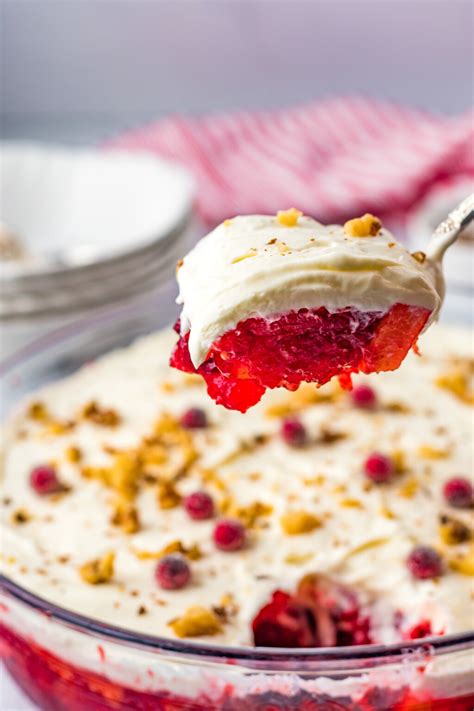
(81, 70)
(130, 127)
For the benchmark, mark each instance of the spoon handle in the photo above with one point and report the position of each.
(447, 232)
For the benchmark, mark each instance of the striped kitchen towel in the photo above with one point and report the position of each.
(332, 159)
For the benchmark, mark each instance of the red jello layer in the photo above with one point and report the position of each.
(320, 613)
(311, 345)
(56, 685)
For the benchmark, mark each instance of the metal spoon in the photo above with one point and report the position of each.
(449, 230)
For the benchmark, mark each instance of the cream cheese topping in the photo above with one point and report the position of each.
(366, 532)
(254, 265)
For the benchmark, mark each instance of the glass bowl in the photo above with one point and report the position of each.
(67, 662)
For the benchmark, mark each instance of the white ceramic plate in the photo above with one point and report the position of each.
(72, 207)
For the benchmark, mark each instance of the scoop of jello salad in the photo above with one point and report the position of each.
(321, 517)
(273, 301)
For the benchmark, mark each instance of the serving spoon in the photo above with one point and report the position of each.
(449, 230)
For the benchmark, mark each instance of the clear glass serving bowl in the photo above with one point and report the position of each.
(67, 662)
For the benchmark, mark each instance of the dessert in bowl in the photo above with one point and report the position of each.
(161, 552)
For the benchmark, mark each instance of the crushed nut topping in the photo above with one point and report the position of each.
(463, 564)
(409, 488)
(458, 382)
(192, 552)
(426, 451)
(168, 496)
(38, 411)
(126, 516)
(289, 218)
(250, 514)
(196, 622)
(304, 397)
(21, 516)
(227, 607)
(98, 571)
(419, 256)
(73, 454)
(100, 415)
(453, 532)
(350, 503)
(365, 226)
(296, 522)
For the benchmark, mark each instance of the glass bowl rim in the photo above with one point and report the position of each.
(86, 624)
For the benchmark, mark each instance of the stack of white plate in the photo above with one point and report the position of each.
(82, 229)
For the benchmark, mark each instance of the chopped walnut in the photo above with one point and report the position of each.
(463, 564)
(126, 516)
(226, 608)
(100, 415)
(73, 454)
(457, 381)
(365, 226)
(38, 411)
(409, 488)
(196, 622)
(454, 532)
(168, 496)
(21, 516)
(58, 427)
(192, 552)
(296, 522)
(398, 458)
(304, 397)
(398, 407)
(330, 436)
(425, 451)
(419, 256)
(289, 218)
(179, 264)
(98, 571)
(250, 514)
(349, 503)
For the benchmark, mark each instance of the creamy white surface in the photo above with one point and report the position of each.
(78, 525)
(322, 266)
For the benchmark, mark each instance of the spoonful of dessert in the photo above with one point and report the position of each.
(272, 301)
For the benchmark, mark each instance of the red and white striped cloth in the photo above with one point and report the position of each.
(333, 159)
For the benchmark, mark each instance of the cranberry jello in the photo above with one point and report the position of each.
(320, 519)
(276, 301)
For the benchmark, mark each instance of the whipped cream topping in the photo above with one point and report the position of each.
(256, 266)
(365, 532)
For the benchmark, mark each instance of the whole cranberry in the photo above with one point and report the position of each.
(364, 396)
(199, 505)
(293, 432)
(194, 419)
(425, 563)
(229, 535)
(379, 468)
(44, 480)
(172, 572)
(458, 492)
